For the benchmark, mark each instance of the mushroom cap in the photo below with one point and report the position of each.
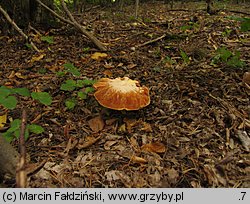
(121, 94)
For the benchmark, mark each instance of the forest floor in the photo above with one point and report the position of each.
(194, 133)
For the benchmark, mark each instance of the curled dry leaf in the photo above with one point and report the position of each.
(156, 147)
(146, 127)
(98, 56)
(96, 124)
(137, 159)
(88, 142)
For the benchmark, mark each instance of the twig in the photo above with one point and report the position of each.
(152, 41)
(240, 12)
(21, 177)
(6, 15)
(54, 13)
(82, 29)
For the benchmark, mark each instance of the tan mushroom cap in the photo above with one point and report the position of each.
(121, 94)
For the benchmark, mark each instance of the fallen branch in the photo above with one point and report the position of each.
(152, 41)
(74, 23)
(82, 29)
(6, 15)
(54, 13)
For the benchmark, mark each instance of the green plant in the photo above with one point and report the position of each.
(223, 55)
(191, 26)
(185, 57)
(226, 32)
(6, 96)
(69, 68)
(9, 101)
(48, 39)
(244, 22)
(14, 130)
(79, 89)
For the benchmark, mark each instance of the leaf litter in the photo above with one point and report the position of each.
(195, 133)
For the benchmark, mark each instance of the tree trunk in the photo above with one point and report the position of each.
(24, 12)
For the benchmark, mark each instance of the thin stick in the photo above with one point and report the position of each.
(21, 179)
(82, 29)
(54, 13)
(6, 15)
(152, 41)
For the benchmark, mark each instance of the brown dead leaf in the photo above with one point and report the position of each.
(137, 159)
(98, 56)
(130, 123)
(173, 175)
(20, 76)
(131, 66)
(146, 127)
(37, 58)
(120, 64)
(109, 144)
(88, 142)
(134, 143)
(108, 73)
(108, 65)
(96, 124)
(111, 121)
(156, 147)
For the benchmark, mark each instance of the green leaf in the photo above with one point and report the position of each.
(4, 91)
(89, 90)
(89, 82)
(184, 56)
(61, 74)
(85, 82)
(71, 69)
(69, 85)
(42, 97)
(14, 125)
(224, 53)
(8, 136)
(9, 102)
(48, 39)
(245, 25)
(82, 95)
(70, 103)
(21, 91)
(37, 129)
(86, 49)
(28, 45)
(235, 62)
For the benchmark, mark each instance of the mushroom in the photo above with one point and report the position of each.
(121, 94)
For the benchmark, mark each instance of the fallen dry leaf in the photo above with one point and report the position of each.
(108, 65)
(96, 124)
(131, 66)
(108, 73)
(37, 58)
(88, 142)
(146, 127)
(156, 147)
(3, 119)
(109, 144)
(137, 159)
(130, 123)
(98, 56)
